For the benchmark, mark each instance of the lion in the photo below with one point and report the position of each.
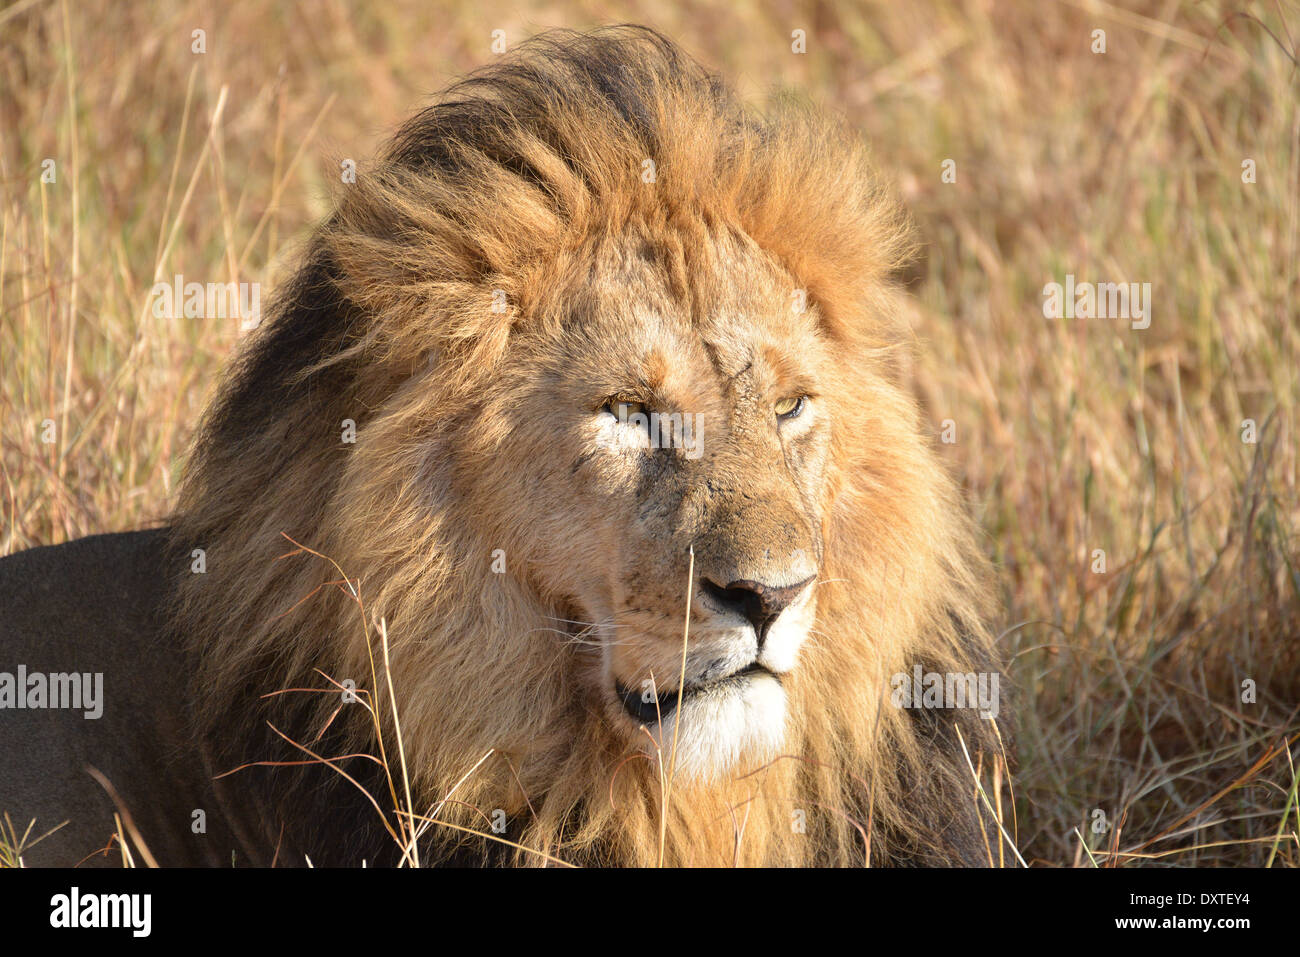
(570, 507)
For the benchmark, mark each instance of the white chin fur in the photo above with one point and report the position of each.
(744, 721)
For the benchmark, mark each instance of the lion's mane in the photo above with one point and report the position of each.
(390, 322)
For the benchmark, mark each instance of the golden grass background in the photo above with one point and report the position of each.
(1071, 434)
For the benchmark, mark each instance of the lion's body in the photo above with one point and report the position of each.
(91, 607)
(595, 212)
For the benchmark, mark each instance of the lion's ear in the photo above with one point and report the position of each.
(899, 366)
(881, 323)
(904, 322)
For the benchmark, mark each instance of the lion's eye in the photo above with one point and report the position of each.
(791, 407)
(623, 409)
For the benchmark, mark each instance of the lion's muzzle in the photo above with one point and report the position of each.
(757, 603)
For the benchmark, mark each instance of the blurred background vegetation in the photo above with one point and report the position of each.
(1072, 435)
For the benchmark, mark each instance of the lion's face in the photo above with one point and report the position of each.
(582, 396)
(679, 423)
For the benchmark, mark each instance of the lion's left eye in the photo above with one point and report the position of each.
(791, 407)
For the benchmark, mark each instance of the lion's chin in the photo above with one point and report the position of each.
(740, 722)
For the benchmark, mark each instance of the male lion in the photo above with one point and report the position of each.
(590, 337)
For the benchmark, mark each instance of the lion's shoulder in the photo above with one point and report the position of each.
(83, 645)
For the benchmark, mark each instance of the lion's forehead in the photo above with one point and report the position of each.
(745, 325)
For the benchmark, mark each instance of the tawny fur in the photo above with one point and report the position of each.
(513, 182)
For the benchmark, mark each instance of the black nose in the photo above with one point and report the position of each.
(760, 604)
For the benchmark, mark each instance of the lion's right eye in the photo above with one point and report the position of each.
(623, 409)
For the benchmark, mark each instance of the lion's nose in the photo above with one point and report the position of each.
(758, 603)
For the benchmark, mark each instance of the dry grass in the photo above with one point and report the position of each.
(1072, 434)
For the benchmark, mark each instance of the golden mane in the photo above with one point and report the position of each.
(495, 196)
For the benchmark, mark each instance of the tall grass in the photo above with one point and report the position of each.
(1074, 436)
